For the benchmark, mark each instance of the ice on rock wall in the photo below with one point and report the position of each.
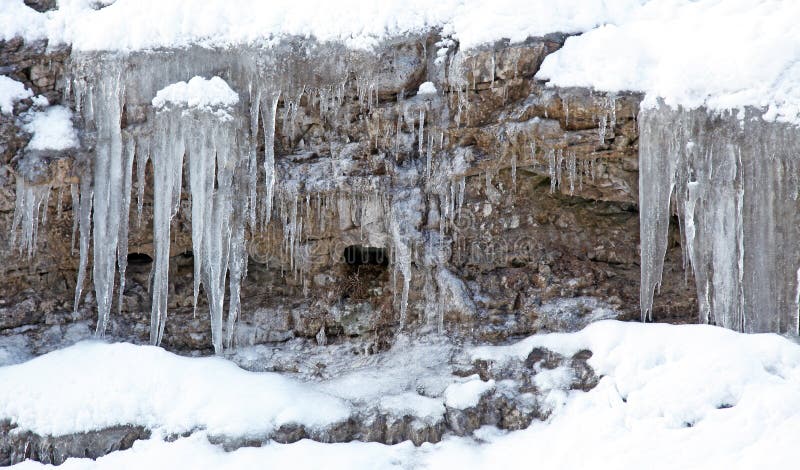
(102, 113)
(30, 208)
(733, 182)
(159, 107)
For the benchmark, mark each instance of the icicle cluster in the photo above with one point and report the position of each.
(733, 182)
(219, 151)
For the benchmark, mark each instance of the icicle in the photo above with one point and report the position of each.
(572, 172)
(402, 256)
(268, 119)
(551, 159)
(514, 172)
(421, 129)
(31, 203)
(429, 156)
(85, 216)
(167, 161)
(142, 156)
(731, 180)
(122, 251)
(75, 197)
(108, 179)
(493, 70)
(252, 166)
(601, 129)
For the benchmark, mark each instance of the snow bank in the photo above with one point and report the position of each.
(51, 128)
(721, 54)
(689, 397)
(199, 92)
(677, 375)
(11, 91)
(149, 24)
(94, 385)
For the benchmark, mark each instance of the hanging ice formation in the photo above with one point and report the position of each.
(733, 182)
(216, 151)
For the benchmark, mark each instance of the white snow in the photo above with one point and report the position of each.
(427, 88)
(689, 397)
(11, 91)
(94, 385)
(467, 394)
(149, 24)
(690, 52)
(721, 54)
(413, 404)
(52, 129)
(199, 92)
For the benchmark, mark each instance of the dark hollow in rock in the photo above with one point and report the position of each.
(139, 259)
(357, 255)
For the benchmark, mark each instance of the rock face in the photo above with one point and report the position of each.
(16, 446)
(515, 196)
(446, 192)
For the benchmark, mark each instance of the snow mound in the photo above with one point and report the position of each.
(199, 92)
(692, 53)
(149, 24)
(427, 88)
(52, 129)
(11, 91)
(95, 385)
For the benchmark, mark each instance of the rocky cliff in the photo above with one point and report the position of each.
(517, 203)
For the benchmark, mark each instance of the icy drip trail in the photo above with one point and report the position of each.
(734, 183)
(101, 105)
(29, 209)
(167, 157)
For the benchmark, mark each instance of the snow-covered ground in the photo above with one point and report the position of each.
(688, 396)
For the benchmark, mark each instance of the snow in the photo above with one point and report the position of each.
(692, 53)
(467, 394)
(198, 93)
(413, 404)
(149, 24)
(52, 129)
(687, 396)
(427, 88)
(11, 91)
(94, 385)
